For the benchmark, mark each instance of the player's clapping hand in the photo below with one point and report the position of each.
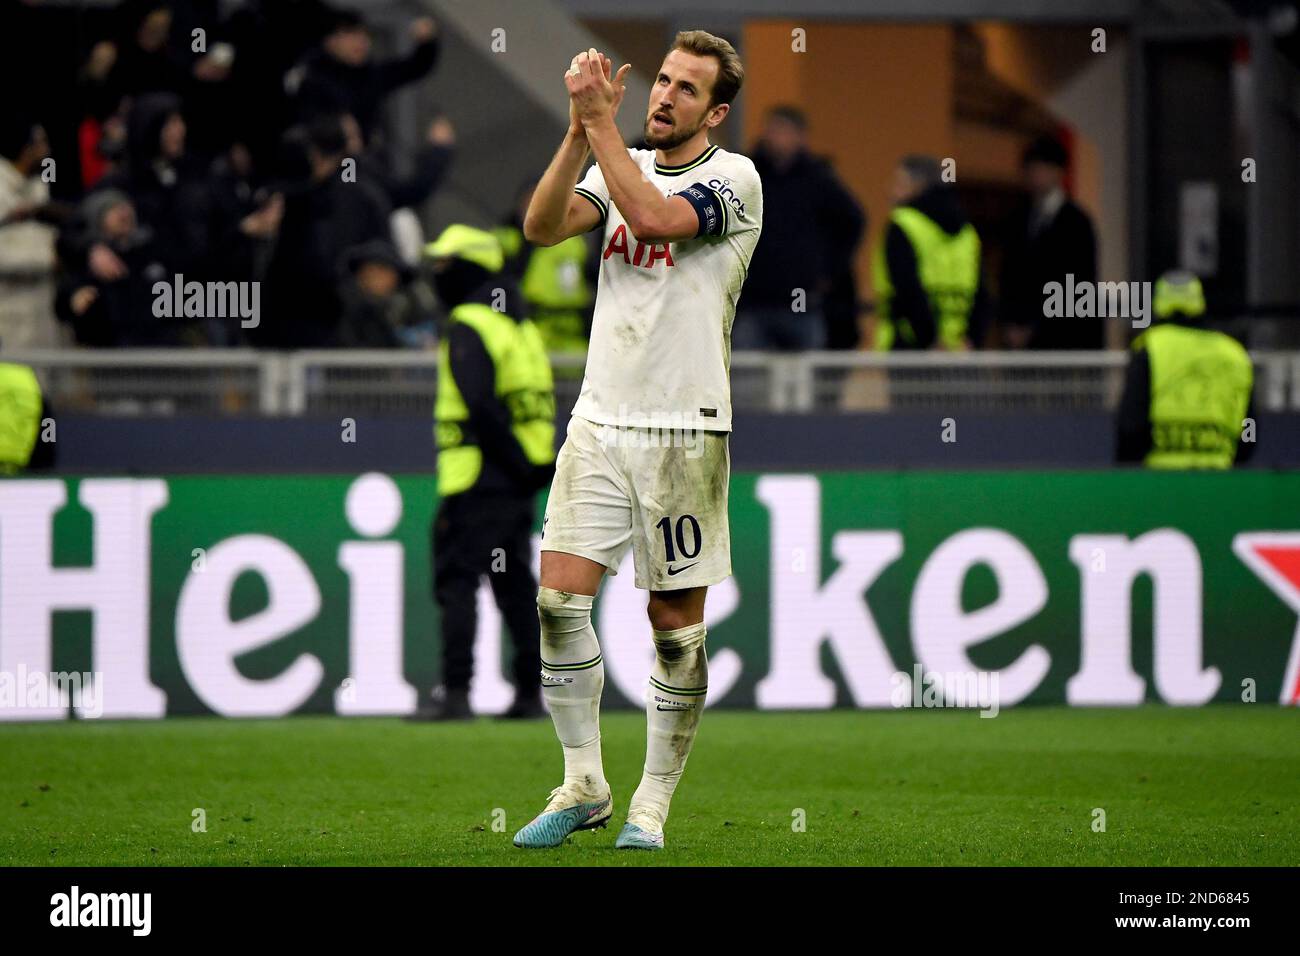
(593, 93)
(619, 82)
(575, 119)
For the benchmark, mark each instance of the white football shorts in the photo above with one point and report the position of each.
(665, 490)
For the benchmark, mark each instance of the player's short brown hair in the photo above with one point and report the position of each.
(731, 74)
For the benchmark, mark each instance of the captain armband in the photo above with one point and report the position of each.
(709, 206)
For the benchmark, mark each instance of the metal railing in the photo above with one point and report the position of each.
(351, 383)
(158, 381)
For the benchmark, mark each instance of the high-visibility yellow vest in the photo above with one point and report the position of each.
(20, 416)
(511, 239)
(554, 287)
(1200, 391)
(523, 384)
(949, 270)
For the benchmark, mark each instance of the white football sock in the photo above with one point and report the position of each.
(573, 676)
(678, 685)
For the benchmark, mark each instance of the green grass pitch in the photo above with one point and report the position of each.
(1219, 785)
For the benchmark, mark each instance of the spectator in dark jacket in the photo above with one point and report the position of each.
(107, 295)
(151, 53)
(340, 76)
(138, 60)
(376, 307)
(430, 167)
(246, 218)
(269, 37)
(817, 224)
(324, 217)
(1046, 240)
(167, 186)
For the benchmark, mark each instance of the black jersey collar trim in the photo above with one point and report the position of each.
(704, 157)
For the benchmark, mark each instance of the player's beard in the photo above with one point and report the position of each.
(674, 137)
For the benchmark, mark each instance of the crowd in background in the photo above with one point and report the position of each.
(222, 164)
(929, 273)
(221, 161)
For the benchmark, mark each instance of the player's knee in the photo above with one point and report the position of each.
(666, 616)
(680, 643)
(562, 613)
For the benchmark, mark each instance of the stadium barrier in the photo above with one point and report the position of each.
(348, 382)
(260, 596)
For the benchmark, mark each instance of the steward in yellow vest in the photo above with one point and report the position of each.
(21, 411)
(926, 267)
(1187, 393)
(556, 292)
(495, 432)
(495, 409)
(554, 283)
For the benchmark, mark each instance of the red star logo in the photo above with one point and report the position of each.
(1274, 556)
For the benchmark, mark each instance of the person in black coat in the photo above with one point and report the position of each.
(323, 218)
(112, 265)
(246, 217)
(379, 305)
(169, 188)
(340, 77)
(270, 37)
(1046, 240)
(429, 166)
(139, 58)
(816, 226)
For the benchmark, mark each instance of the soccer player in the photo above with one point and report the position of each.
(645, 458)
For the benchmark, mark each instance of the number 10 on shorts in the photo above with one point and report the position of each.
(684, 525)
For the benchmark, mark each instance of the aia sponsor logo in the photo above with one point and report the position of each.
(644, 256)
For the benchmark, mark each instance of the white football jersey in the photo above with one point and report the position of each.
(660, 349)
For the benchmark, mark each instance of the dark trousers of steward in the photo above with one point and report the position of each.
(473, 536)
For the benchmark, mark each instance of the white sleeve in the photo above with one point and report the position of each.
(593, 189)
(737, 183)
